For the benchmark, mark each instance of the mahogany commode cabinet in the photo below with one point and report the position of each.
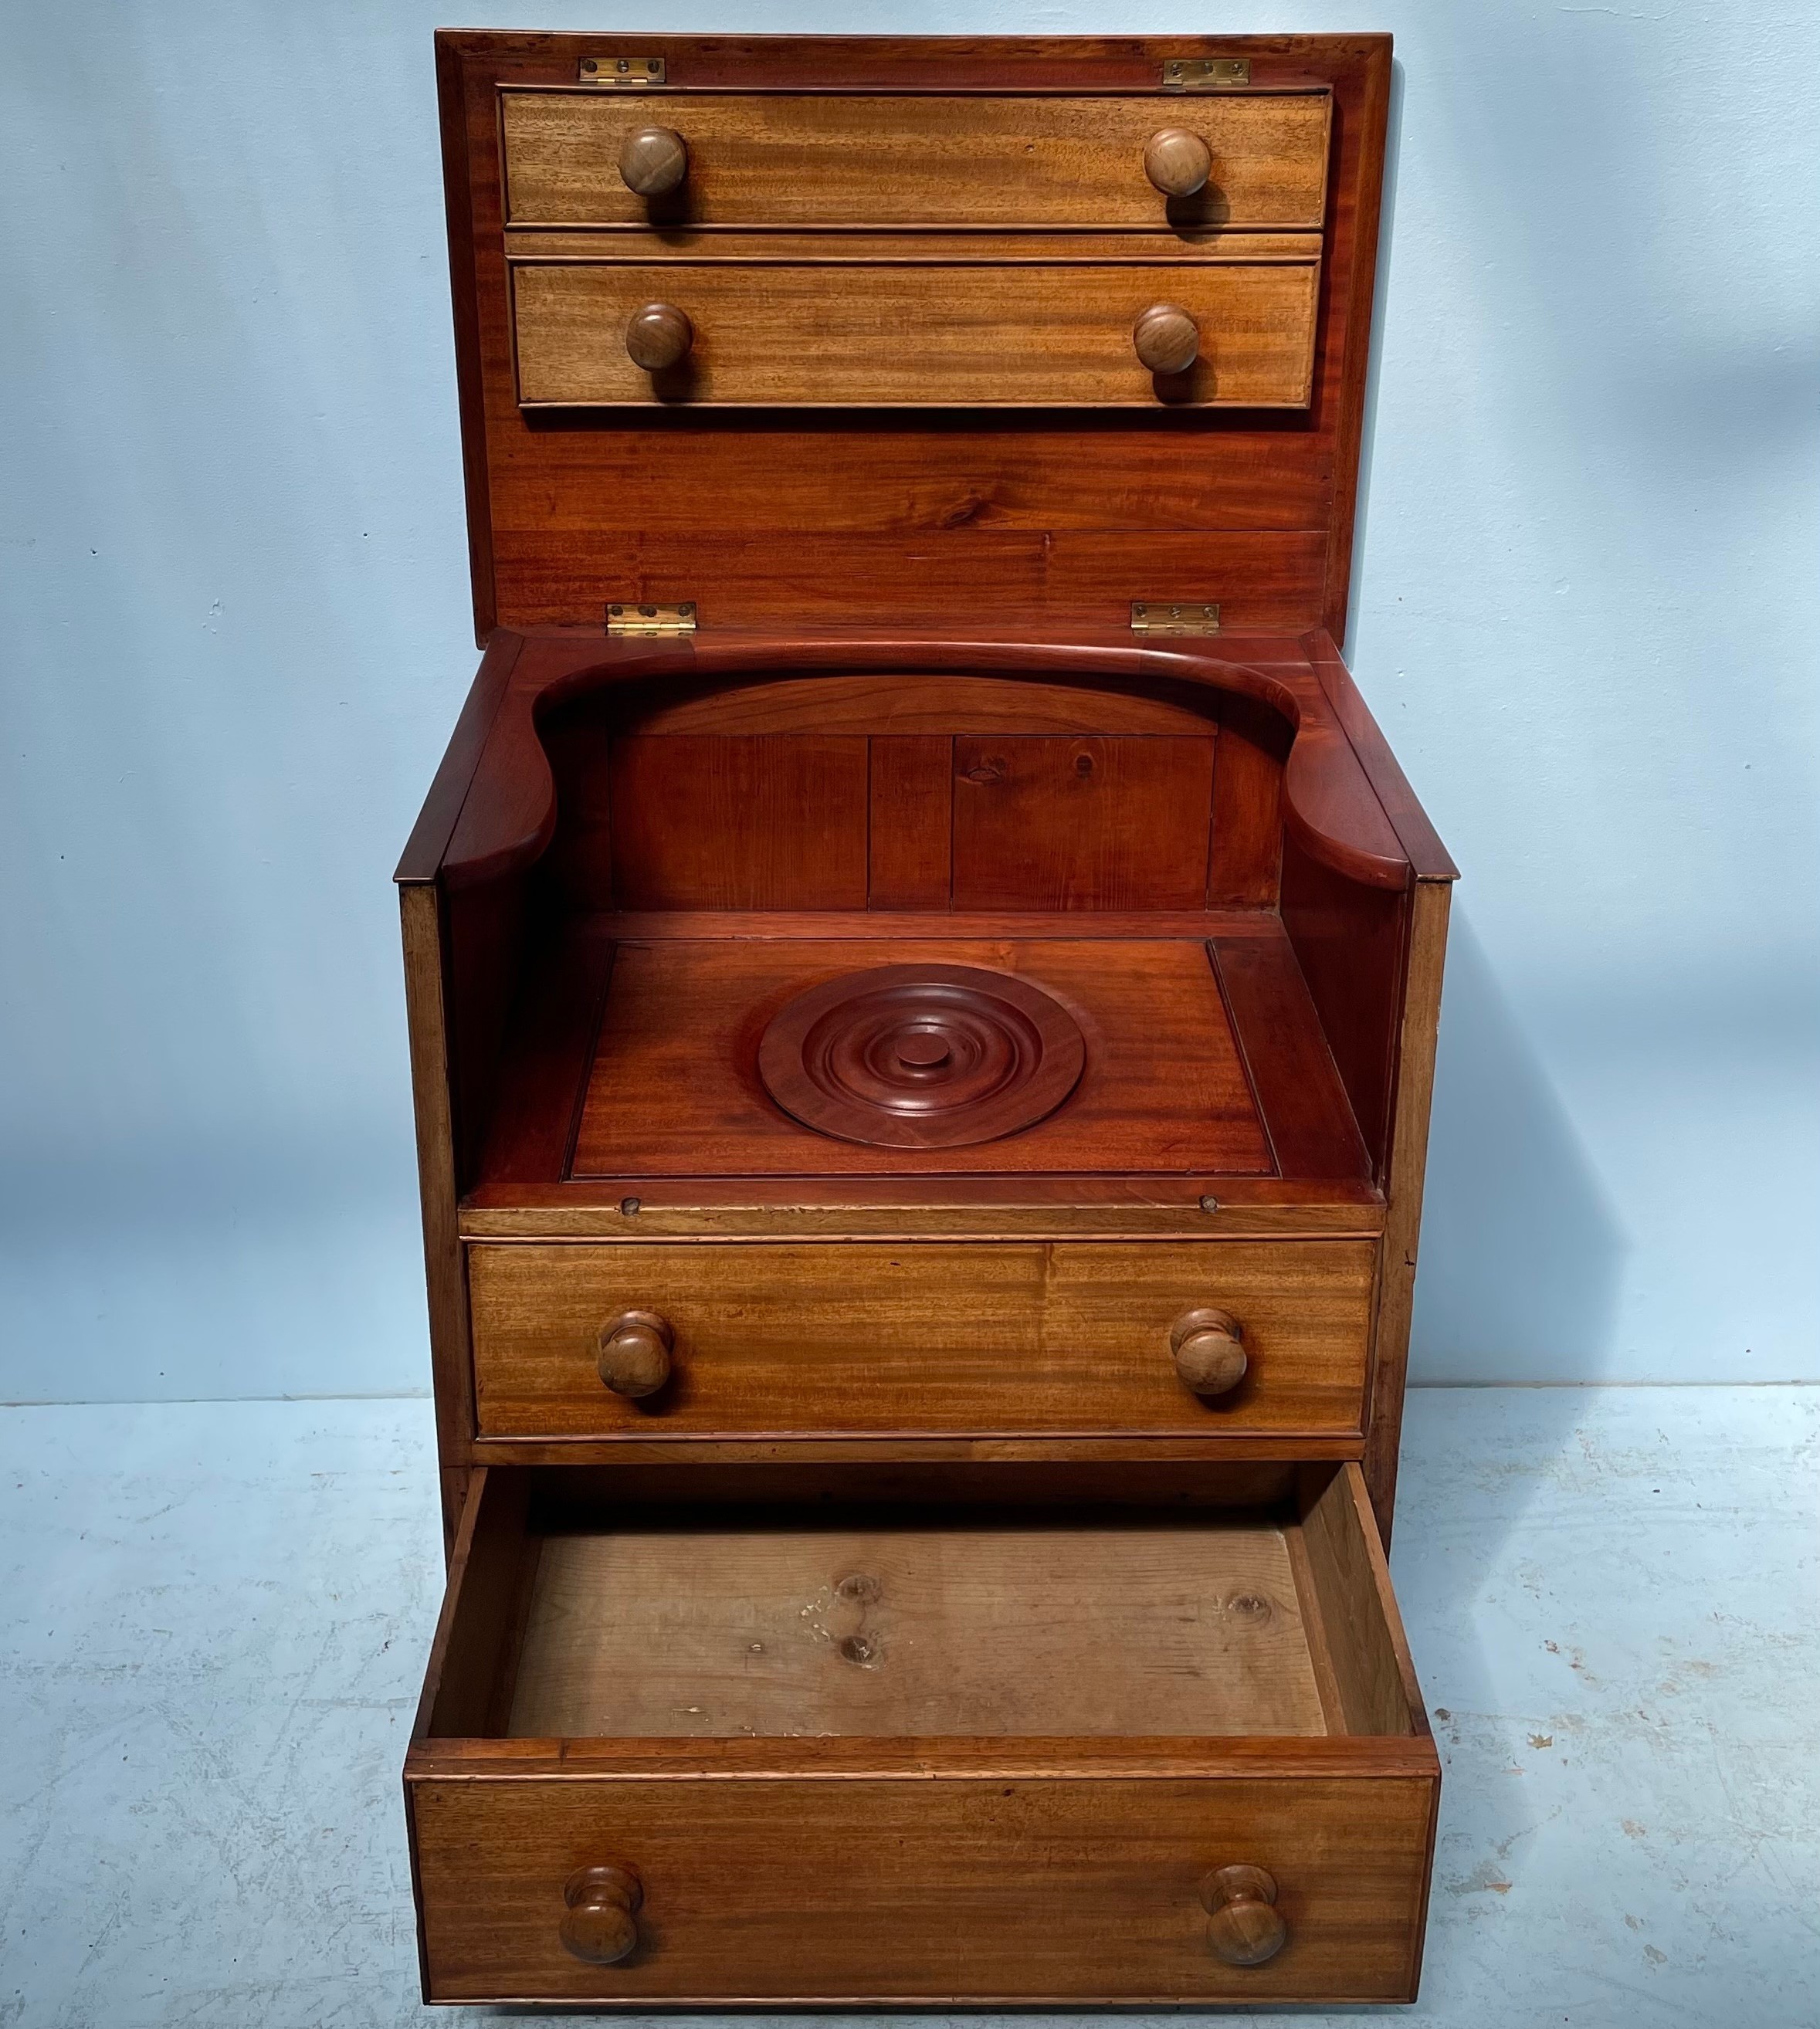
(923, 977)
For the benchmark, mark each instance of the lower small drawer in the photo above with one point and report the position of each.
(885, 332)
(866, 1339)
(912, 1757)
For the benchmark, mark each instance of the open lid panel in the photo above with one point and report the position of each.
(926, 384)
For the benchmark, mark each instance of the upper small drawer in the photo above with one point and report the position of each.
(879, 160)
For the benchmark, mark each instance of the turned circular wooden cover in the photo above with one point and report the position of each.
(922, 1056)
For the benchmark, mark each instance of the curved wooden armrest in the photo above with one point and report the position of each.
(508, 816)
(422, 857)
(1421, 843)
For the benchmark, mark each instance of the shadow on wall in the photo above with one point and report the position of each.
(1521, 1251)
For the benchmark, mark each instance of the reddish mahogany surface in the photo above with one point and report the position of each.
(679, 1084)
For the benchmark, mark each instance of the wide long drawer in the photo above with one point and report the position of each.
(843, 159)
(917, 331)
(703, 1758)
(990, 1337)
(1013, 1886)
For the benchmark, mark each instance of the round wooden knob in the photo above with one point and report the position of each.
(1167, 338)
(1243, 1927)
(659, 337)
(1179, 163)
(633, 1353)
(1207, 1348)
(599, 1924)
(655, 161)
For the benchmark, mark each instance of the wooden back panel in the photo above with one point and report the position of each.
(1049, 523)
(922, 792)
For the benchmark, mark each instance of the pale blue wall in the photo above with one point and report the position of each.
(234, 638)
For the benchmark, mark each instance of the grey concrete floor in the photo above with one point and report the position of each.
(215, 1617)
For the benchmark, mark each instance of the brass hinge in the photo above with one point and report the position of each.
(624, 73)
(650, 620)
(1150, 617)
(1205, 73)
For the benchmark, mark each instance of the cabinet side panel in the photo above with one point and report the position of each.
(454, 111)
(1415, 1085)
(452, 1371)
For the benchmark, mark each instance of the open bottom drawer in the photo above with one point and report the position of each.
(878, 1754)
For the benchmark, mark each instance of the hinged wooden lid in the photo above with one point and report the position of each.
(1051, 522)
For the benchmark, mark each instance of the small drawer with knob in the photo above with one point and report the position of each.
(611, 1341)
(865, 1755)
(913, 324)
(857, 160)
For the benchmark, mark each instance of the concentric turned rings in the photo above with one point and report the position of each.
(913, 1056)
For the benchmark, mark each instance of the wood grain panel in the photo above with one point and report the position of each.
(602, 479)
(1008, 1336)
(881, 1891)
(1246, 854)
(835, 160)
(1162, 1092)
(904, 1631)
(901, 334)
(1082, 823)
(912, 795)
(1265, 582)
(740, 822)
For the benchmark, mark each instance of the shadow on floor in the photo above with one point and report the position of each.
(1521, 1256)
